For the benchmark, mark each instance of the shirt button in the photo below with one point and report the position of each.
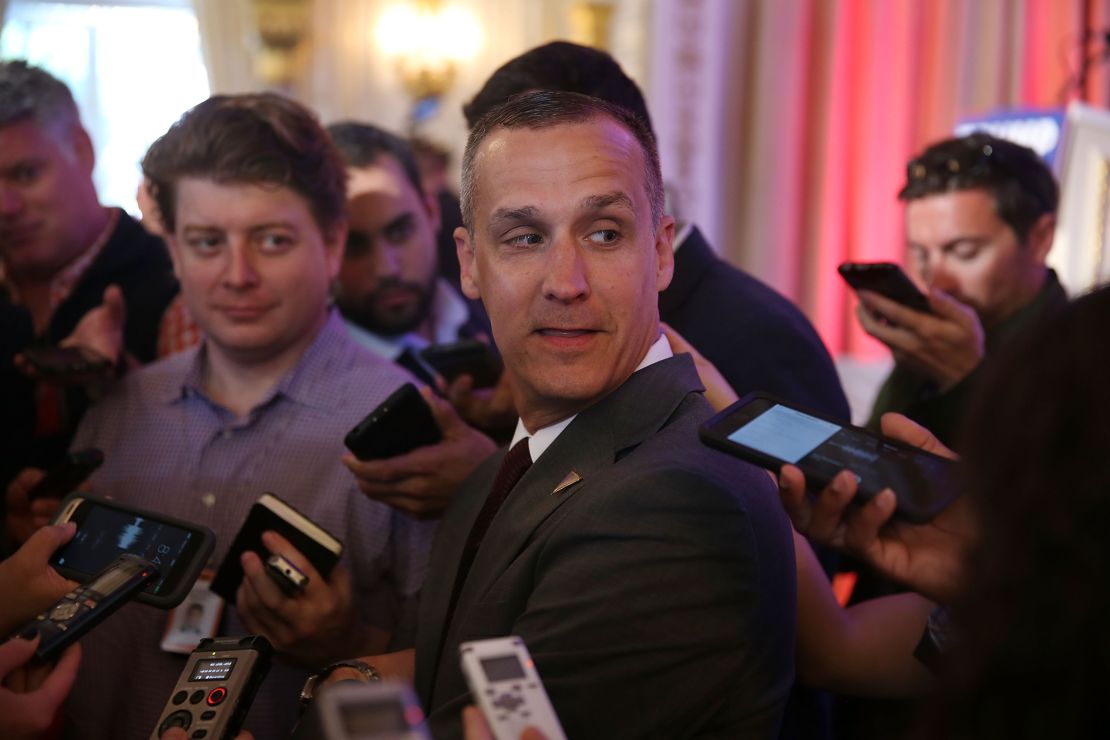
(208, 499)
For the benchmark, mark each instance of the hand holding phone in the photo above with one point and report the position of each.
(88, 605)
(465, 357)
(770, 432)
(398, 425)
(928, 557)
(75, 365)
(107, 529)
(887, 279)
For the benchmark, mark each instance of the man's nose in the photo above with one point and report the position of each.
(387, 260)
(940, 277)
(241, 271)
(566, 277)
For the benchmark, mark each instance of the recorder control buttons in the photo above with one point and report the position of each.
(181, 718)
(64, 611)
(197, 697)
(180, 697)
(216, 695)
(200, 733)
(207, 714)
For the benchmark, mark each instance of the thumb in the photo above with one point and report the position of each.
(905, 430)
(40, 546)
(114, 304)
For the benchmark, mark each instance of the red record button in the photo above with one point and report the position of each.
(216, 695)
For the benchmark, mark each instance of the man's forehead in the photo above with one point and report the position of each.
(384, 175)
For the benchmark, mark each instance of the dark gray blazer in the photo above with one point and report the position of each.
(656, 595)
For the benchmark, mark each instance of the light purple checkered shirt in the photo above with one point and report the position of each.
(170, 448)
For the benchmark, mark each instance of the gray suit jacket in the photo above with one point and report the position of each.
(656, 595)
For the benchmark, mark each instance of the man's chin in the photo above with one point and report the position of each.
(391, 327)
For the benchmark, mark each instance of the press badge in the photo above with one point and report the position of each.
(194, 619)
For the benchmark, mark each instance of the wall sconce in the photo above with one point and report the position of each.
(282, 26)
(427, 40)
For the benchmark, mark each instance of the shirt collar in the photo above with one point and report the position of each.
(305, 383)
(543, 438)
(684, 230)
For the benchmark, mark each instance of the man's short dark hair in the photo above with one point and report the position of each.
(251, 139)
(30, 93)
(363, 144)
(1017, 178)
(562, 66)
(540, 110)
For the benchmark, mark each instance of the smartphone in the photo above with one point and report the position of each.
(770, 432)
(888, 280)
(379, 710)
(107, 529)
(87, 606)
(60, 481)
(468, 356)
(214, 692)
(270, 513)
(400, 424)
(505, 685)
(58, 362)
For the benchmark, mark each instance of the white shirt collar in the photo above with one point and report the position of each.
(543, 438)
(683, 232)
(449, 314)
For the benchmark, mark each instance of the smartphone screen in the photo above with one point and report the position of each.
(104, 533)
(770, 433)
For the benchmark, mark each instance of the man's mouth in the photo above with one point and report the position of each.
(567, 333)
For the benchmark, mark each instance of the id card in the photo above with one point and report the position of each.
(196, 618)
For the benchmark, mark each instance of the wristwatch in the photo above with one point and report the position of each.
(312, 684)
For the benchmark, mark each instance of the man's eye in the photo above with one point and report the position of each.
(276, 242)
(26, 174)
(604, 236)
(966, 251)
(204, 244)
(399, 233)
(525, 240)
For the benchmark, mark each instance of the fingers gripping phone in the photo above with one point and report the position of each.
(468, 356)
(398, 425)
(770, 432)
(61, 480)
(87, 606)
(107, 529)
(888, 280)
(214, 692)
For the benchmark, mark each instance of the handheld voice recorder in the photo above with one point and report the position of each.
(503, 681)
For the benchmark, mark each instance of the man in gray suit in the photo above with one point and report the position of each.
(651, 578)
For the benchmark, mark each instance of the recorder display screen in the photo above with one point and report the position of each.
(502, 669)
(105, 533)
(213, 669)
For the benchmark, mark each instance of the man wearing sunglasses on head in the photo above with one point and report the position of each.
(980, 218)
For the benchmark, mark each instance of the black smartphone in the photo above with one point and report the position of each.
(107, 529)
(59, 362)
(888, 280)
(468, 356)
(60, 480)
(770, 432)
(216, 688)
(87, 606)
(398, 425)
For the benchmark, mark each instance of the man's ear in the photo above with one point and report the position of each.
(1040, 237)
(468, 265)
(664, 253)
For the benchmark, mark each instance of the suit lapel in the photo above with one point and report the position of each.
(590, 444)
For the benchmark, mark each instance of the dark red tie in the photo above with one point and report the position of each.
(513, 467)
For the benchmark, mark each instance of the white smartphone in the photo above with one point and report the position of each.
(504, 683)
